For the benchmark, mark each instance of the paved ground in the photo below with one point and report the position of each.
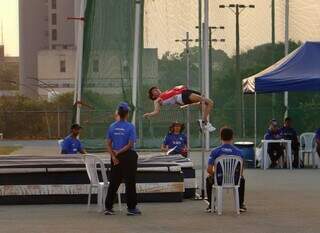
(279, 201)
(32, 147)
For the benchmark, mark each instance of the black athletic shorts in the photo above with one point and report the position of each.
(186, 94)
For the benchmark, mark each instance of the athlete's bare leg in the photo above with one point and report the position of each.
(206, 105)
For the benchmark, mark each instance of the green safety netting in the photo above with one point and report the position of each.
(108, 56)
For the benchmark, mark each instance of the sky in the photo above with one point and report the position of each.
(10, 21)
(167, 20)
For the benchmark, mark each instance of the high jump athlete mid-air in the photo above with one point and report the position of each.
(181, 96)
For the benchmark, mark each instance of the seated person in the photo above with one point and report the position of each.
(71, 144)
(289, 133)
(175, 139)
(318, 142)
(275, 150)
(226, 148)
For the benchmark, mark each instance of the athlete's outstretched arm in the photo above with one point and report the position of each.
(156, 110)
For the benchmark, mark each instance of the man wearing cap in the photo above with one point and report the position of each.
(275, 150)
(121, 137)
(71, 144)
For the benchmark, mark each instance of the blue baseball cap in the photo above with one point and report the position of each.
(124, 106)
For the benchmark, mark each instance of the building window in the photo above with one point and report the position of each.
(54, 4)
(62, 66)
(54, 34)
(54, 19)
(95, 66)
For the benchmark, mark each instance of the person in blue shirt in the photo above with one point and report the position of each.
(71, 144)
(318, 142)
(275, 150)
(121, 137)
(226, 148)
(175, 139)
(289, 133)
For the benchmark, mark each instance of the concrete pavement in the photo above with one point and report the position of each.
(279, 201)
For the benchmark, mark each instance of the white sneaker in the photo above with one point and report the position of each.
(209, 127)
(206, 127)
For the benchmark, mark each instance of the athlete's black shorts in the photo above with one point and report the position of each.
(186, 96)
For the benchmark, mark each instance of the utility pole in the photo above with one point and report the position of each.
(237, 9)
(186, 41)
(273, 40)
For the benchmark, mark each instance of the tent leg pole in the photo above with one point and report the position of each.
(255, 127)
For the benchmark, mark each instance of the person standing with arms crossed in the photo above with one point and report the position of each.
(121, 137)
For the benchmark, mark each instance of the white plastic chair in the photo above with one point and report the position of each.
(307, 141)
(228, 164)
(91, 162)
(60, 144)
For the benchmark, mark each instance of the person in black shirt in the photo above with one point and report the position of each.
(289, 133)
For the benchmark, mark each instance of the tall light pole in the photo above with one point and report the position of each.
(273, 40)
(237, 9)
(135, 68)
(186, 41)
(286, 52)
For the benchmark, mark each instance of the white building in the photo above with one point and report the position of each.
(109, 73)
(56, 71)
(43, 26)
(48, 53)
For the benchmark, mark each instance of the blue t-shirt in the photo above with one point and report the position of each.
(71, 145)
(120, 133)
(273, 135)
(288, 133)
(224, 149)
(318, 134)
(175, 140)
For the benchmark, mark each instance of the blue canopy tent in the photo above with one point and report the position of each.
(299, 71)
